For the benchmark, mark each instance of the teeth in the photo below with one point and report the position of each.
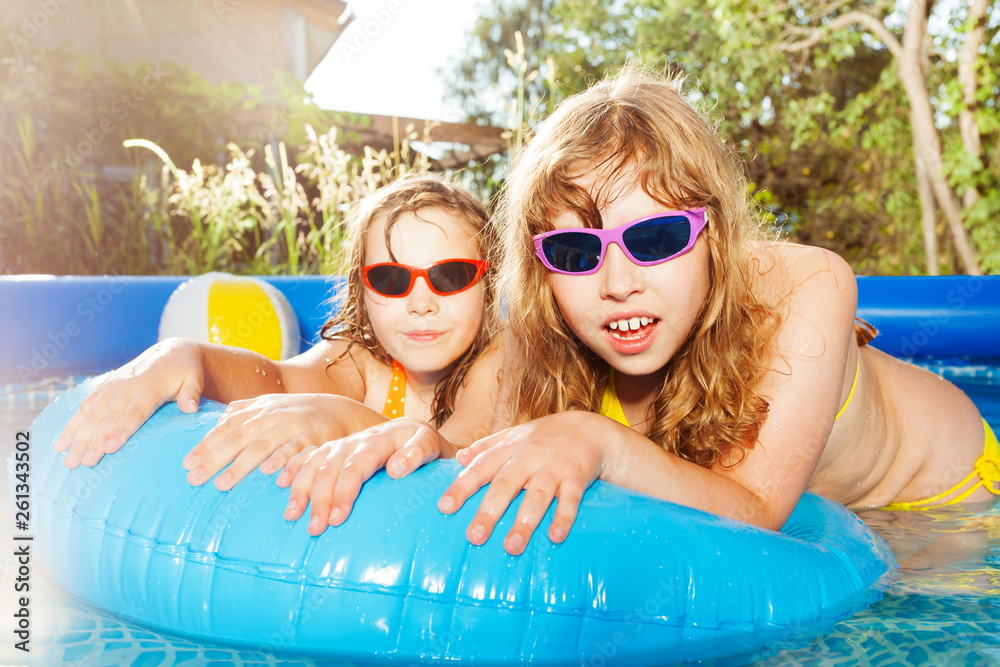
(631, 324)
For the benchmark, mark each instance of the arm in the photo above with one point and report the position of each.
(560, 455)
(184, 370)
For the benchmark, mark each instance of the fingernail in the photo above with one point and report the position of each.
(189, 462)
(446, 504)
(196, 476)
(558, 533)
(283, 479)
(290, 509)
(314, 526)
(514, 543)
(267, 467)
(224, 480)
(396, 468)
(110, 446)
(336, 515)
(90, 459)
(72, 460)
(476, 534)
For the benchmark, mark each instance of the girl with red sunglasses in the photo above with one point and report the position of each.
(409, 341)
(661, 340)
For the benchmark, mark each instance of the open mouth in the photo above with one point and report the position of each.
(631, 328)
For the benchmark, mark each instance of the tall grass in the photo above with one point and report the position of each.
(286, 218)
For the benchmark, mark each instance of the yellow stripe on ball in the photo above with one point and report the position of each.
(240, 313)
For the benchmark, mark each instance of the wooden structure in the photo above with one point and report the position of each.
(223, 40)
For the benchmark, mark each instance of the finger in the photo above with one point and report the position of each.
(293, 465)
(502, 490)
(358, 469)
(245, 458)
(538, 496)
(279, 458)
(190, 393)
(84, 413)
(468, 454)
(321, 495)
(93, 451)
(77, 434)
(570, 494)
(132, 419)
(245, 449)
(234, 422)
(423, 447)
(471, 479)
(218, 432)
(302, 485)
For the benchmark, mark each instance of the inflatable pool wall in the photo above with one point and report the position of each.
(64, 325)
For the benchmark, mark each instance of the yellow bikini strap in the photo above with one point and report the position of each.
(397, 392)
(854, 386)
(610, 405)
(987, 468)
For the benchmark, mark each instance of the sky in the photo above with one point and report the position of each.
(386, 61)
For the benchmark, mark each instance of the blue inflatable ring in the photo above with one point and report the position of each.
(638, 580)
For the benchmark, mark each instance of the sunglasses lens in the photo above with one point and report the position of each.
(657, 239)
(389, 280)
(572, 252)
(452, 276)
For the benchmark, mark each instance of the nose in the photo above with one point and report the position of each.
(421, 300)
(620, 277)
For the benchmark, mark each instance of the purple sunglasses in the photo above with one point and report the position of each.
(657, 238)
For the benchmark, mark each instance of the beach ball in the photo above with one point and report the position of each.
(233, 310)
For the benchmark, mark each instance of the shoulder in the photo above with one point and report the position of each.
(814, 290)
(485, 369)
(331, 366)
(800, 272)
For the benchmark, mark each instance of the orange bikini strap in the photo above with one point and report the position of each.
(397, 392)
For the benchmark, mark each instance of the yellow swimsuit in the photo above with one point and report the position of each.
(611, 407)
(987, 467)
(397, 392)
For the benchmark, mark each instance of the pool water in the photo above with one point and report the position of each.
(941, 608)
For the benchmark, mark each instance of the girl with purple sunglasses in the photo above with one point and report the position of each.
(660, 339)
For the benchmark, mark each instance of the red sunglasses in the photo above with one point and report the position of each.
(448, 276)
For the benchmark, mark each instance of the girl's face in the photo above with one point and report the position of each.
(634, 317)
(424, 331)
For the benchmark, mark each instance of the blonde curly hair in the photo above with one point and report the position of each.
(638, 127)
(411, 195)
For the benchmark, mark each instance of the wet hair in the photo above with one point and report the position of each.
(410, 195)
(638, 128)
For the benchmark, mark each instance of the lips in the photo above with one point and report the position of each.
(631, 335)
(423, 336)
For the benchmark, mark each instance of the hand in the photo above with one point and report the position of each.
(330, 477)
(268, 431)
(556, 456)
(124, 399)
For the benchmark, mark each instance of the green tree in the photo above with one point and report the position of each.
(826, 132)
